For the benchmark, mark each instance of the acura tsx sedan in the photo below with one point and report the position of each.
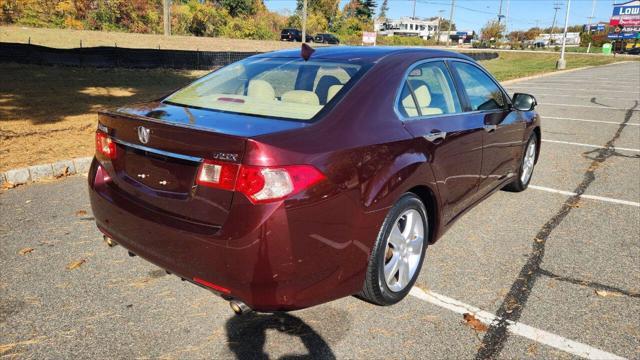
(292, 178)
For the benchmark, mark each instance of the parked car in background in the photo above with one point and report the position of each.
(290, 179)
(326, 39)
(294, 35)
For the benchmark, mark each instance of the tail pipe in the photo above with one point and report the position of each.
(109, 241)
(239, 307)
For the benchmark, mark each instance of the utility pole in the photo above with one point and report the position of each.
(593, 10)
(304, 21)
(453, 6)
(439, 30)
(500, 12)
(506, 18)
(166, 17)
(562, 63)
(556, 7)
(414, 10)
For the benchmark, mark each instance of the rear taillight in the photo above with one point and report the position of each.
(104, 145)
(218, 174)
(261, 184)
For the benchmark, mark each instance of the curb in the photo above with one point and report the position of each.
(33, 173)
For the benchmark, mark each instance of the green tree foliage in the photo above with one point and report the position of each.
(384, 8)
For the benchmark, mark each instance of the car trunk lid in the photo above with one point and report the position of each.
(159, 170)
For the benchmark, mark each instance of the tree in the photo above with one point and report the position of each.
(532, 33)
(444, 24)
(382, 15)
(516, 36)
(327, 8)
(493, 30)
(241, 7)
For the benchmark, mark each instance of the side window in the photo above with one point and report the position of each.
(482, 91)
(429, 91)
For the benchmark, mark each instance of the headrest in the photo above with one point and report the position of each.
(301, 97)
(333, 90)
(261, 89)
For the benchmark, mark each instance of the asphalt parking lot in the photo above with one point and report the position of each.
(553, 275)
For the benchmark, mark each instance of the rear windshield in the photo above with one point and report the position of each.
(273, 87)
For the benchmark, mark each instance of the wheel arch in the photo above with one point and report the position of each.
(538, 132)
(430, 201)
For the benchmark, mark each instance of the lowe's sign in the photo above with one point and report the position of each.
(625, 20)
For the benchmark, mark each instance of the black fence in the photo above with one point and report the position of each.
(135, 58)
(118, 57)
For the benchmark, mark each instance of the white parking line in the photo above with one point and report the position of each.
(589, 106)
(584, 96)
(589, 120)
(588, 145)
(591, 91)
(584, 196)
(537, 335)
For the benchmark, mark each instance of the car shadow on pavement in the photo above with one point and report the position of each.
(247, 334)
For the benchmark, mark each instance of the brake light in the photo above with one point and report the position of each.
(104, 145)
(261, 184)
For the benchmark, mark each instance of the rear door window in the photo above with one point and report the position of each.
(428, 91)
(483, 93)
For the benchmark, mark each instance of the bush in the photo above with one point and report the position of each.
(403, 41)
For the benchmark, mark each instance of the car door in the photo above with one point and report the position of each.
(432, 112)
(504, 127)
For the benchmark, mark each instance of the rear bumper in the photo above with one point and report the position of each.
(272, 257)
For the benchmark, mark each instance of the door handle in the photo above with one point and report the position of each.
(435, 135)
(490, 128)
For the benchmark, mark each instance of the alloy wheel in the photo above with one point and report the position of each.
(403, 250)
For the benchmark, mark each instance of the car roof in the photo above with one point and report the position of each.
(363, 53)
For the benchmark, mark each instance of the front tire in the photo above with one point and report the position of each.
(398, 253)
(527, 164)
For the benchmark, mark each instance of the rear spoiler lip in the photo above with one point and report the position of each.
(116, 112)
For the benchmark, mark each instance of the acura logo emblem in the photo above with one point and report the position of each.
(143, 134)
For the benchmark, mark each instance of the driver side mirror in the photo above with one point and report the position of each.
(524, 102)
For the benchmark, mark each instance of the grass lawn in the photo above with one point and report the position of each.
(512, 64)
(66, 38)
(48, 113)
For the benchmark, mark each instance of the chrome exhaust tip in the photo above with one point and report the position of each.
(239, 307)
(109, 241)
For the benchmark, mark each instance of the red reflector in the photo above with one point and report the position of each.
(212, 286)
(105, 146)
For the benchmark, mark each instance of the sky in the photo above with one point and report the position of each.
(473, 14)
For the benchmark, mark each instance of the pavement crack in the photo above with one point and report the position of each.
(514, 302)
(592, 284)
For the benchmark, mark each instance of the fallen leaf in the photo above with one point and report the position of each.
(474, 323)
(605, 293)
(81, 213)
(76, 264)
(25, 251)
(64, 173)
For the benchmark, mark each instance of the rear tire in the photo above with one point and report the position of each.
(398, 253)
(527, 164)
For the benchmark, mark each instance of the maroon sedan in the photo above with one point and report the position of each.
(284, 180)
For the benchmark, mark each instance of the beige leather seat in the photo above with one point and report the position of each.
(301, 97)
(424, 100)
(333, 90)
(260, 89)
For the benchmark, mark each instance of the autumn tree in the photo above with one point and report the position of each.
(493, 30)
(532, 33)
